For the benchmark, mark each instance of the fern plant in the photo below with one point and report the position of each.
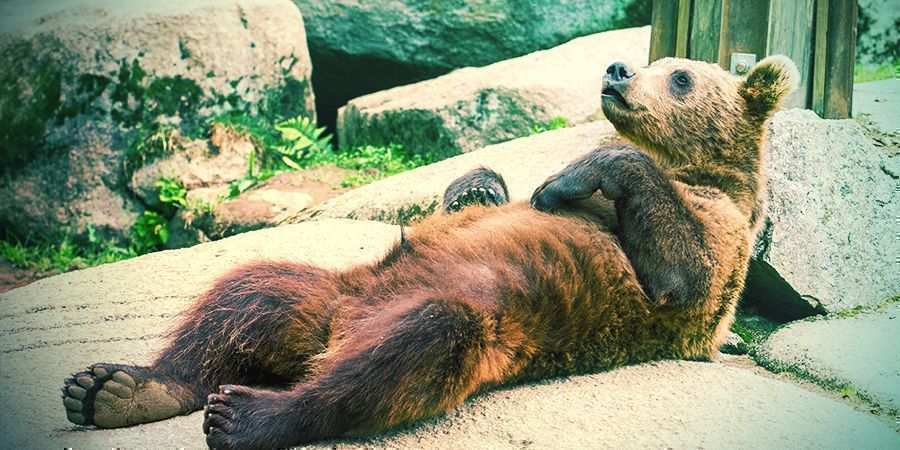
(303, 141)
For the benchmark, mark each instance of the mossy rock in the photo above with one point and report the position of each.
(470, 108)
(144, 67)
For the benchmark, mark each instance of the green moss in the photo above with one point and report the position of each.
(82, 99)
(752, 327)
(31, 83)
(128, 93)
(175, 96)
(403, 215)
(287, 101)
(844, 388)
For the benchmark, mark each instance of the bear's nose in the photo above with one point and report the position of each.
(618, 72)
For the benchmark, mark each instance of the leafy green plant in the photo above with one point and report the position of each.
(172, 193)
(150, 232)
(554, 124)
(303, 141)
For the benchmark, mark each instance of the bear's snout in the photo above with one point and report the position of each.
(618, 72)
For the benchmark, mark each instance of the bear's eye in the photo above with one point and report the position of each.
(680, 83)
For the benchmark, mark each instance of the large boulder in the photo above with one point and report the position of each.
(473, 107)
(829, 240)
(112, 313)
(86, 82)
(524, 163)
(857, 352)
(361, 47)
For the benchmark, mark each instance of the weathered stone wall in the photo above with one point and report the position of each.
(81, 82)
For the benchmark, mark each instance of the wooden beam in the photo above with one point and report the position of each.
(791, 34)
(706, 18)
(745, 26)
(683, 33)
(841, 58)
(665, 26)
(820, 59)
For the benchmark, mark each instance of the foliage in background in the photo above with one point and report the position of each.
(554, 124)
(875, 72)
(294, 144)
(150, 232)
(303, 141)
(149, 143)
(61, 256)
(877, 45)
(370, 163)
(299, 143)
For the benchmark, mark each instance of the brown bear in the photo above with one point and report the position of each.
(630, 254)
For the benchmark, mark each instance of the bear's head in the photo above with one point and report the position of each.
(688, 112)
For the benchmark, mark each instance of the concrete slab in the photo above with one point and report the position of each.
(881, 101)
(862, 351)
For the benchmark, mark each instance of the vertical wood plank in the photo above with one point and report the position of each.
(791, 34)
(684, 28)
(745, 26)
(705, 21)
(665, 26)
(820, 60)
(841, 58)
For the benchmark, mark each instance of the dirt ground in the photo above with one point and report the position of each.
(12, 277)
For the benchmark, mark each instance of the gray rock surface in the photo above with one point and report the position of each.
(477, 106)
(831, 219)
(524, 163)
(862, 351)
(57, 325)
(361, 47)
(82, 77)
(880, 100)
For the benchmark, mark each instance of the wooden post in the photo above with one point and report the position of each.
(841, 45)
(745, 26)
(706, 19)
(791, 34)
(820, 59)
(683, 32)
(665, 26)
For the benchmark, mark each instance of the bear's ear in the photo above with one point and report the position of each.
(769, 82)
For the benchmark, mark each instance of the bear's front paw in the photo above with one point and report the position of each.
(547, 197)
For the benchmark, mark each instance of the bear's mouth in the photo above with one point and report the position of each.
(613, 94)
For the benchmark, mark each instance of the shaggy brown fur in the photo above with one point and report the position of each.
(485, 296)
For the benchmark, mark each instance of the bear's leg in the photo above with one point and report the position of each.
(410, 360)
(258, 324)
(481, 186)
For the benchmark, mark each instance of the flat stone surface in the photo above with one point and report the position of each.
(470, 108)
(881, 101)
(863, 351)
(118, 313)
